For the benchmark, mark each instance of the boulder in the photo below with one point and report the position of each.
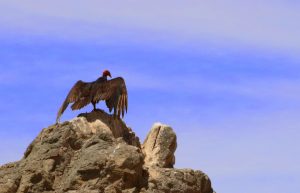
(159, 146)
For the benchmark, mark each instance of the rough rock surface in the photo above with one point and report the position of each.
(159, 146)
(96, 153)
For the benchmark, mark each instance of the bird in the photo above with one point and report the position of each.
(113, 92)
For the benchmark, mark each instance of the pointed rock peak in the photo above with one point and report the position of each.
(159, 146)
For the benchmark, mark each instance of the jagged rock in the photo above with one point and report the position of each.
(96, 153)
(178, 180)
(159, 146)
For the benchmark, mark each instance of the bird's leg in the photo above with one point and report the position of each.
(94, 105)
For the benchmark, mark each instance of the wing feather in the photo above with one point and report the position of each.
(114, 92)
(123, 104)
(79, 90)
(81, 103)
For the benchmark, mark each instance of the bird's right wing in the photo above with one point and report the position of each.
(79, 91)
(114, 92)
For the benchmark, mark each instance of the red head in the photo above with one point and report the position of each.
(106, 73)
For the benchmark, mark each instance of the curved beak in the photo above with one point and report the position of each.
(109, 75)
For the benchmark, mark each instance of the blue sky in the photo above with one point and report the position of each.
(224, 75)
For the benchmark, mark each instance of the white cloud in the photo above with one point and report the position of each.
(257, 88)
(260, 87)
(266, 24)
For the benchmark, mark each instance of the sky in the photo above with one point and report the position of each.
(224, 74)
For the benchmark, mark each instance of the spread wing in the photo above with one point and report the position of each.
(79, 95)
(114, 93)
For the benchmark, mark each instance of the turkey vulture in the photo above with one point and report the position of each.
(113, 91)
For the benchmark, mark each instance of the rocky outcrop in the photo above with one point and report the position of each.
(96, 153)
(159, 146)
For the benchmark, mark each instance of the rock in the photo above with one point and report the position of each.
(159, 146)
(178, 180)
(97, 153)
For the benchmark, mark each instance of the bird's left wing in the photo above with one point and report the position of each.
(78, 91)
